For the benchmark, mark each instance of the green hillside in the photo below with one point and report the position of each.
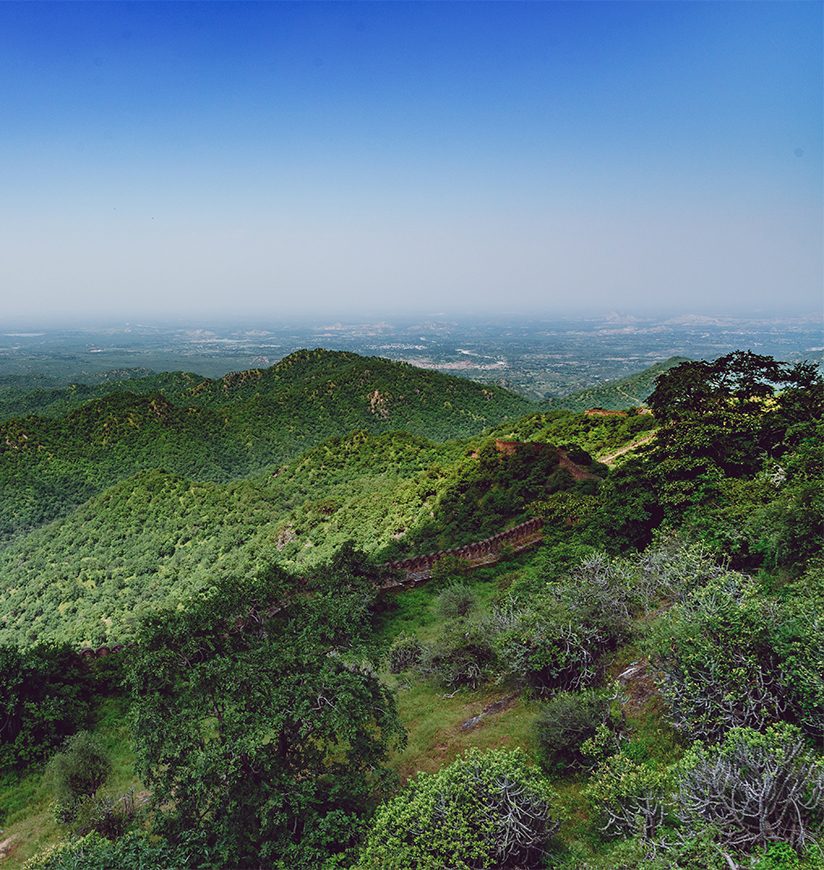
(611, 698)
(628, 392)
(222, 429)
(156, 538)
(302, 373)
(22, 395)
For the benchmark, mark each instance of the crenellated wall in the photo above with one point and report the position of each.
(410, 572)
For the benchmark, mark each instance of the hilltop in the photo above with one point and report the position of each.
(299, 374)
(217, 430)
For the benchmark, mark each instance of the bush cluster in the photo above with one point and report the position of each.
(573, 729)
(729, 655)
(753, 789)
(486, 809)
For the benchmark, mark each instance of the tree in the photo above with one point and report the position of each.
(78, 772)
(258, 720)
(44, 697)
(486, 809)
(740, 380)
(686, 388)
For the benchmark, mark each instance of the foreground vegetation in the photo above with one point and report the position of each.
(643, 690)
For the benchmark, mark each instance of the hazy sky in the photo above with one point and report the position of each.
(177, 159)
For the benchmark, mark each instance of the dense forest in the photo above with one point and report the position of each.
(644, 689)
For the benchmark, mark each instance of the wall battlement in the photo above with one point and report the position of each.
(486, 552)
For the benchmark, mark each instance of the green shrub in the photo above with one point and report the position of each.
(455, 601)
(629, 799)
(93, 852)
(670, 569)
(572, 727)
(637, 853)
(461, 656)
(449, 569)
(798, 639)
(107, 815)
(551, 640)
(778, 856)
(486, 809)
(544, 646)
(729, 656)
(754, 789)
(404, 653)
(77, 773)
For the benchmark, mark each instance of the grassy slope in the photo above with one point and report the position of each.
(27, 802)
(432, 718)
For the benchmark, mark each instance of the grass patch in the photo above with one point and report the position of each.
(433, 721)
(26, 801)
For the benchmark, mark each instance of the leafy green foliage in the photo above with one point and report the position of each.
(574, 728)
(741, 379)
(44, 696)
(550, 640)
(723, 423)
(264, 731)
(594, 433)
(156, 539)
(134, 851)
(728, 656)
(492, 487)
(483, 810)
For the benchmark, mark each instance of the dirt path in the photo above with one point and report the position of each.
(609, 458)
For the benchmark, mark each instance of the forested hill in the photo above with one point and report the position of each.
(297, 375)
(233, 426)
(618, 394)
(156, 539)
(647, 682)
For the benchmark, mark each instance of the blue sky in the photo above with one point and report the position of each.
(173, 159)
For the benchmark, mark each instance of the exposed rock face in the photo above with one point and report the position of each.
(377, 405)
